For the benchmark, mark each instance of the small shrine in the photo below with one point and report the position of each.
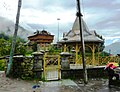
(71, 41)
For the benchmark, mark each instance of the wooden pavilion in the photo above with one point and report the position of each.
(71, 41)
(42, 38)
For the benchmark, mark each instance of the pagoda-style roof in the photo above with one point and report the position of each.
(74, 34)
(41, 37)
(43, 32)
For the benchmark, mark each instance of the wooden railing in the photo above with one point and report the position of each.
(105, 60)
(98, 61)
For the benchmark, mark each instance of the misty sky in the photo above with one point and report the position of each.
(100, 15)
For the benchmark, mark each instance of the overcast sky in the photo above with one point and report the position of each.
(100, 15)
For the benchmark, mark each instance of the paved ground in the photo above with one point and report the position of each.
(16, 85)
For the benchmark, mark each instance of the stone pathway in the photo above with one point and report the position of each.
(59, 86)
(17, 85)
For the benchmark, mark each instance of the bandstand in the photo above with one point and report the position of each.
(71, 42)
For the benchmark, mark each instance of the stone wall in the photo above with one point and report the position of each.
(32, 67)
(27, 67)
(78, 73)
(22, 67)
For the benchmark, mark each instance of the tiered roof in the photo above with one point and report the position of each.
(74, 34)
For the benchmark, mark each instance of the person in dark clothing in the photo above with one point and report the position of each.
(112, 75)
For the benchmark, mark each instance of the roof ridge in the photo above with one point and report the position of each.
(77, 27)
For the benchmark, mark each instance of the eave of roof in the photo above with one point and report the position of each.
(90, 38)
(39, 35)
(74, 34)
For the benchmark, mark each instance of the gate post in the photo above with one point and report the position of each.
(58, 67)
(65, 65)
(17, 70)
(38, 64)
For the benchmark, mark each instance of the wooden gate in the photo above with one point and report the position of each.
(52, 67)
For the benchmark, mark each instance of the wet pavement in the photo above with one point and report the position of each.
(60, 86)
(97, 85)
(94, 85)
(17, 85)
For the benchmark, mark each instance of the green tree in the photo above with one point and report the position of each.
(20, 48)
(34, 47)
(4, 47)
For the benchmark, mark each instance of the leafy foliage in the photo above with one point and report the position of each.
(20, 48)
(5, 46)
(2, 65)
(2, 35)
(34, 47)
(103, 54)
